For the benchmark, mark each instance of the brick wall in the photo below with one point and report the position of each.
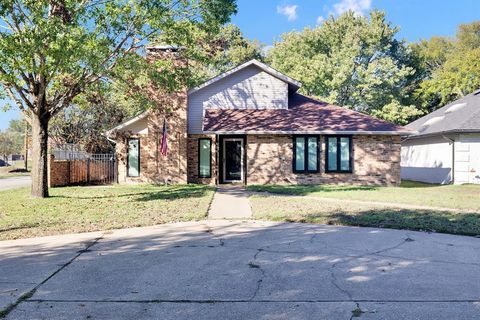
(154, 167)
(193, 159)
(58, 172)
(173, 166)
(122, 152)
(376, 161)
(172, 107)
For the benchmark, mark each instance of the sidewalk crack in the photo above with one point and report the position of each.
(29, 294)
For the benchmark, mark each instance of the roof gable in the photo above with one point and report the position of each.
(129, 122)
(293, 84)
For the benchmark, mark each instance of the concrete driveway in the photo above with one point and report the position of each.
(242, 270)
(15, 182)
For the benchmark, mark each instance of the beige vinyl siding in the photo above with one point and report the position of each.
(467, 159)
(249, 88)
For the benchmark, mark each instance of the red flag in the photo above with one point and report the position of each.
(163, 144)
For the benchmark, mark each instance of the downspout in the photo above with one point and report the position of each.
(112, 141)
(453, 156)
(107, 136)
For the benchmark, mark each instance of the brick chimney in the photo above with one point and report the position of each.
(171, 108)
(165, 52)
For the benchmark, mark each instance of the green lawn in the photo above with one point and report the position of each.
(5, 171)
(81, 209)
(414, 193)
(333, 206)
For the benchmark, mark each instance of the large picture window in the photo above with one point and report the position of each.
(339, 154)
(305, 154)
(204, 158)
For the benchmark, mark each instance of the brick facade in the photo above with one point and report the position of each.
(268, 157)
(154, 167)
(122, 152)
(376, 161)
(193, 159)
(171, 108)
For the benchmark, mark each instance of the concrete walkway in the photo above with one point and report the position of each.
(15, 182)
(219, 269)
(230, 202)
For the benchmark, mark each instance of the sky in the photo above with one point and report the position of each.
(266, 20)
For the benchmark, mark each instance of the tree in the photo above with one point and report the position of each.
(11, 139)
(86, 122)
(53, 50)
(108, 104)
(352, 61)
(226, 50)
(218, 52)
(7, 144)
(20, 130)
(450, 67)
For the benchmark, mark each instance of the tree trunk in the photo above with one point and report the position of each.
(39, 156)
(25, 143)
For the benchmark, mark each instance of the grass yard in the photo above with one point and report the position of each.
(413, 193)
(82, 209)
(5, 171)
(332, 206)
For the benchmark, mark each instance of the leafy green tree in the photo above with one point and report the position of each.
(226, 50)
(85, 122)
(450, 67)
(53, 50)
(16, 126)
(215, 53)
(11, 138)
(468, 36)
(7, 144)
(352, 61)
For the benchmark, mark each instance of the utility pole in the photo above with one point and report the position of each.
(25, 145)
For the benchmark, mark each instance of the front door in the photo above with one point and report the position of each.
(233, 159)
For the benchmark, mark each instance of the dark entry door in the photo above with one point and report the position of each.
(233, 166)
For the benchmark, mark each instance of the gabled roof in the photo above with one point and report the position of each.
(462, 115)
(293, 84)
(304, 115)
(128, 122)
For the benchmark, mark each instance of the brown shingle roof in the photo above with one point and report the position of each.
(303, 115)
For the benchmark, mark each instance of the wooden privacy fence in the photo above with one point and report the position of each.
(83, 169)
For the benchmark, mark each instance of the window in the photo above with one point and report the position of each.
(339, 154)
(204, 158)
(305, 154)
(133, 158)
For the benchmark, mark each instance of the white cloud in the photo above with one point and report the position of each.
(320, 19)
(290, 11)
(359, 7)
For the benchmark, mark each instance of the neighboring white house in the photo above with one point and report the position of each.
(447, 146)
